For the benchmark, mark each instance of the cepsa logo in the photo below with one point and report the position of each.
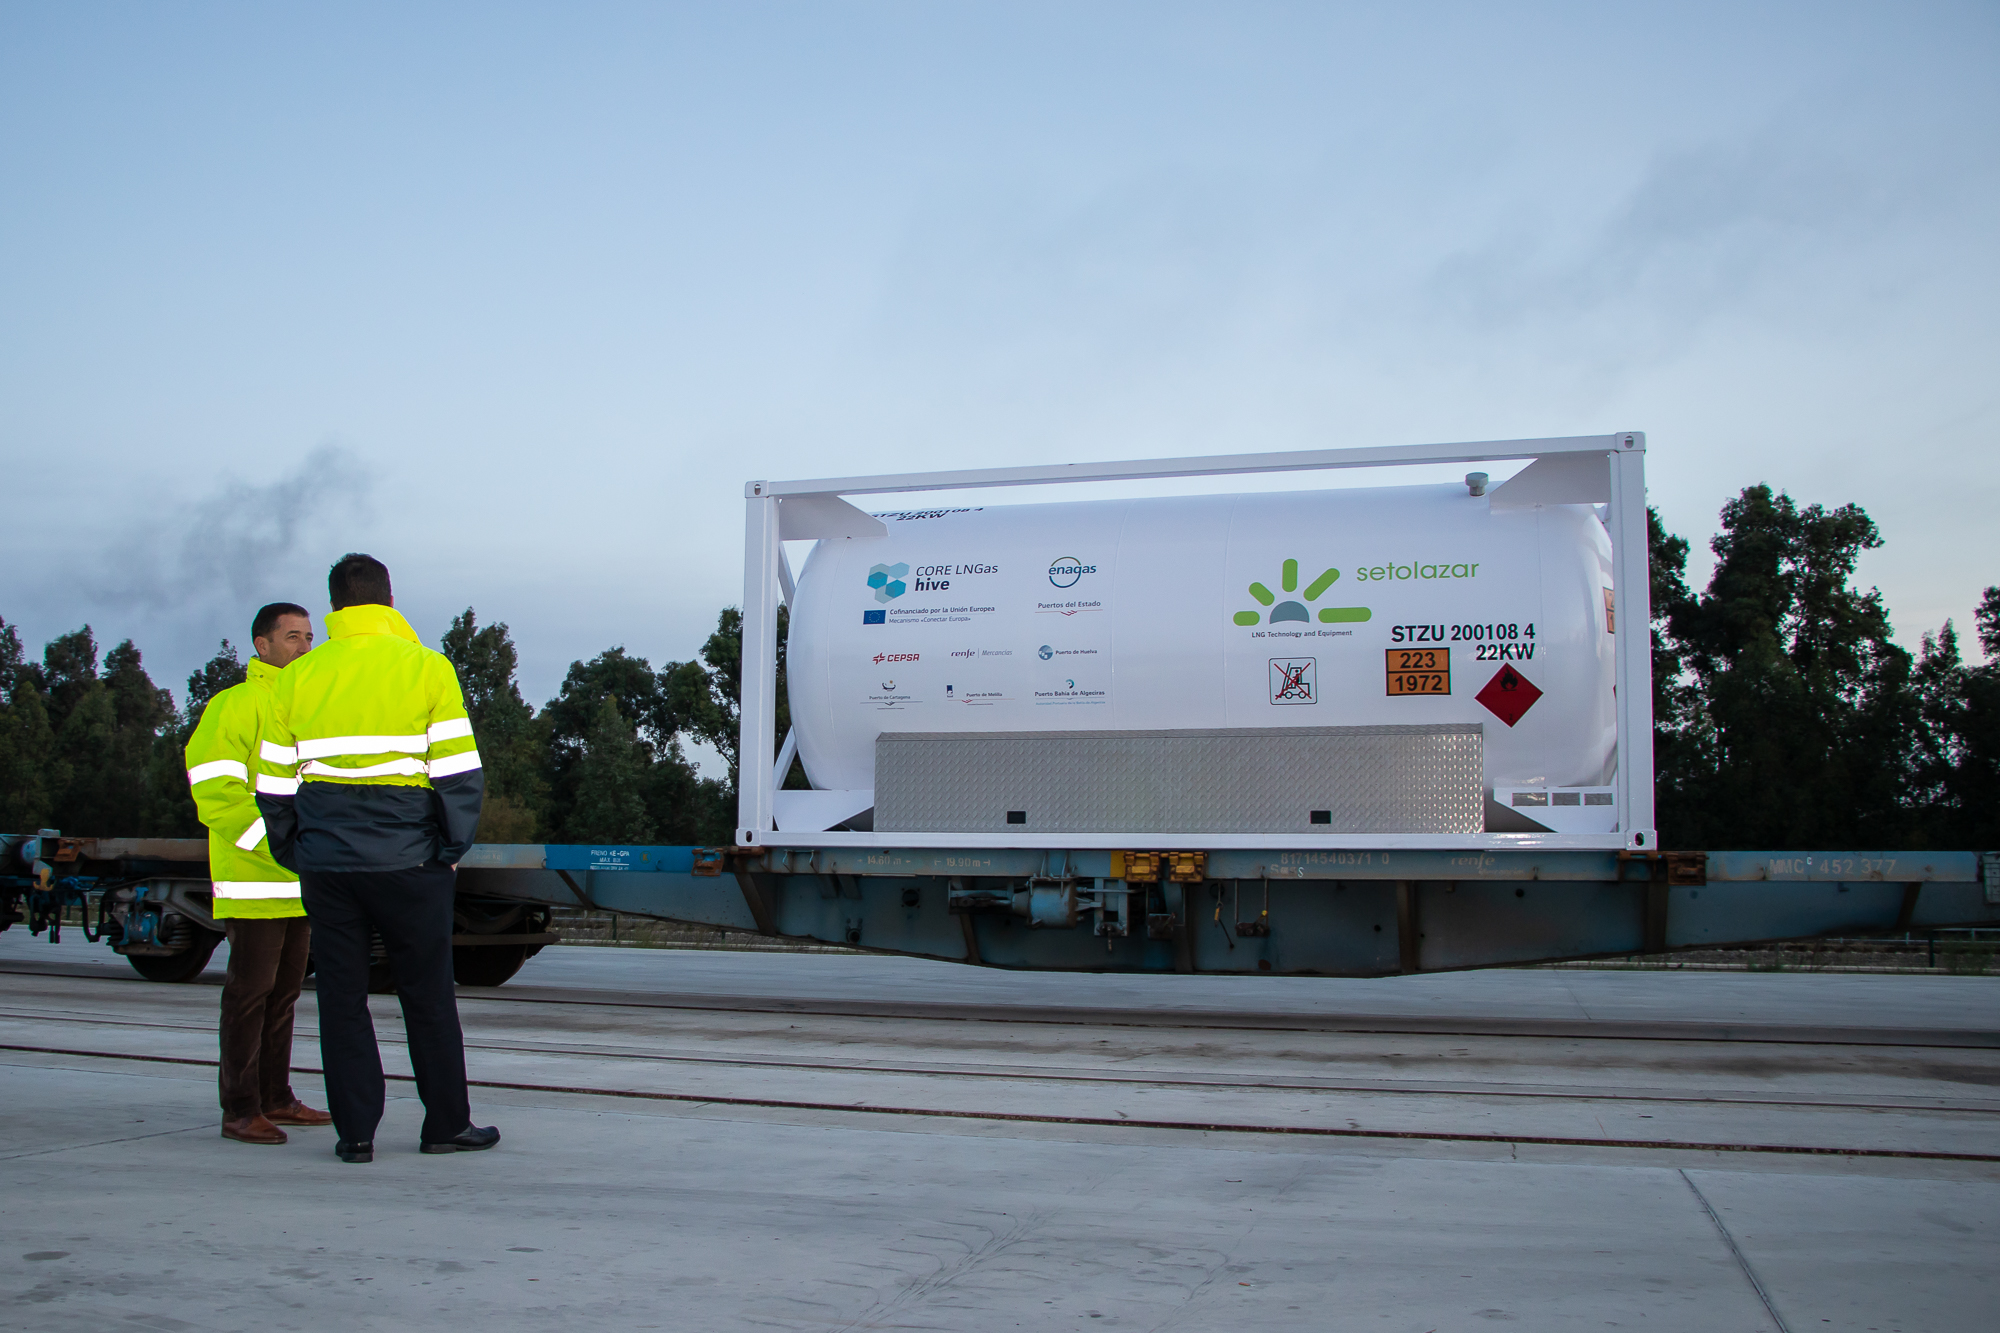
(880, 658)
(1065, 570)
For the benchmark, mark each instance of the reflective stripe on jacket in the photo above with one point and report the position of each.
(370, 762)
(248, 882)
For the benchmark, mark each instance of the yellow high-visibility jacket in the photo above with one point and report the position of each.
(369, 762)
(220, 758)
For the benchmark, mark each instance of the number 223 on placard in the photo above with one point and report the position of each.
(1419, 670)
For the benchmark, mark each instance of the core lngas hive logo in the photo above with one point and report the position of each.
(1293, 607)
(889, 581)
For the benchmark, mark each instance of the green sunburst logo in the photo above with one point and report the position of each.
(1292, 606)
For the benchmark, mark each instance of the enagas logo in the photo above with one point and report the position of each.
(1291, 607)
(1065, 570)
(880, 658)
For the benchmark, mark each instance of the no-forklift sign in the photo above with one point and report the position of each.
(1508, 695)
(1293, 680)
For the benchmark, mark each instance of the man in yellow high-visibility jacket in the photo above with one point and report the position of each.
(256, 899)
(370, 787)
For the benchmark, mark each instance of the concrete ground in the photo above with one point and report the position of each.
(725, 1141)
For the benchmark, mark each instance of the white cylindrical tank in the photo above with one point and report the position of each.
(1415, 604)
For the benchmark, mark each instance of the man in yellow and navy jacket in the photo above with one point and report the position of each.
(370, 788)
(256, 899)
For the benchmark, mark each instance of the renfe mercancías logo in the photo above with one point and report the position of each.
(1291, 607)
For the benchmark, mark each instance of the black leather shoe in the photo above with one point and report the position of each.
(355, 1152)
(470, 1139)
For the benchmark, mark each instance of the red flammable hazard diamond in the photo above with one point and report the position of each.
(1508, 695)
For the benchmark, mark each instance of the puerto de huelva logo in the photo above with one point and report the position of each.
(888, 581)
(1292, 604)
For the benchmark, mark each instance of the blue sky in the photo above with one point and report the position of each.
(517, 296)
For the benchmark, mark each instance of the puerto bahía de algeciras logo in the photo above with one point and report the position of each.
(1292, 608)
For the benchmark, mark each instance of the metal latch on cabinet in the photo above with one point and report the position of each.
(1154, 867)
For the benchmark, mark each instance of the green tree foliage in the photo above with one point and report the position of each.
(511, 743)
(106, 728)
(173, 810)
(704, 696)
(680, 805)
(610, 782)
(1974, 784)
(1955, 779)
(219, 673)
(29, 773)
(1786, 716)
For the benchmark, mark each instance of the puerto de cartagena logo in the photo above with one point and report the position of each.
(1290, 604)
(889, 581)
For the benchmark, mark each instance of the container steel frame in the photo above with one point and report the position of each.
(1606, 469)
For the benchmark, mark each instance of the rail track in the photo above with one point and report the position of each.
(1125, 1122)
(1074, 1016)
(1951, 1125)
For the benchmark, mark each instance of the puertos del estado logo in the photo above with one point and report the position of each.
(1292, 606)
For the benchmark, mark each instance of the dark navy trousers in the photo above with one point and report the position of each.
(412, 911)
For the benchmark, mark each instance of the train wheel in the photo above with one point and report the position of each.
(183, 966)
(487, 965)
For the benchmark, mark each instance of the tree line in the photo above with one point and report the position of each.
(96, 751)
(1786, 717)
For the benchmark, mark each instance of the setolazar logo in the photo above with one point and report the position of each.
(1289, 602)
(1065, 570)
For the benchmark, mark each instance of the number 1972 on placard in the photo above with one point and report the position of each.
(1419, 670)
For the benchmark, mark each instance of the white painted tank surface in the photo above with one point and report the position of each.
(1414, 604)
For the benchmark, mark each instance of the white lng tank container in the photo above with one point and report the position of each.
(1333, 608)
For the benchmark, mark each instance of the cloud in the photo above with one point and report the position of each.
(238, 540)
(1703, 232)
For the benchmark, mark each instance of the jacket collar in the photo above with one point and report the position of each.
(261, 672)
(369, 619)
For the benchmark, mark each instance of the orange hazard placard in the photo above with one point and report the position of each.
(1419, 670)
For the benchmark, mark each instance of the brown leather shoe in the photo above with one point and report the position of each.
(253, 1129)
(298, 1113)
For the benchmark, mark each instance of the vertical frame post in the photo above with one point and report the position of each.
(1633, 607)
(759, 707)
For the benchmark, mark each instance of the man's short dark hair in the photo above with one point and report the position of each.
(358, 580)
(267, 619)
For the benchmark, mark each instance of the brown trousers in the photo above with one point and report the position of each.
(267, 965)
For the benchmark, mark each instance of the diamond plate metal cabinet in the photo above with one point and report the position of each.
(1380, 779)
